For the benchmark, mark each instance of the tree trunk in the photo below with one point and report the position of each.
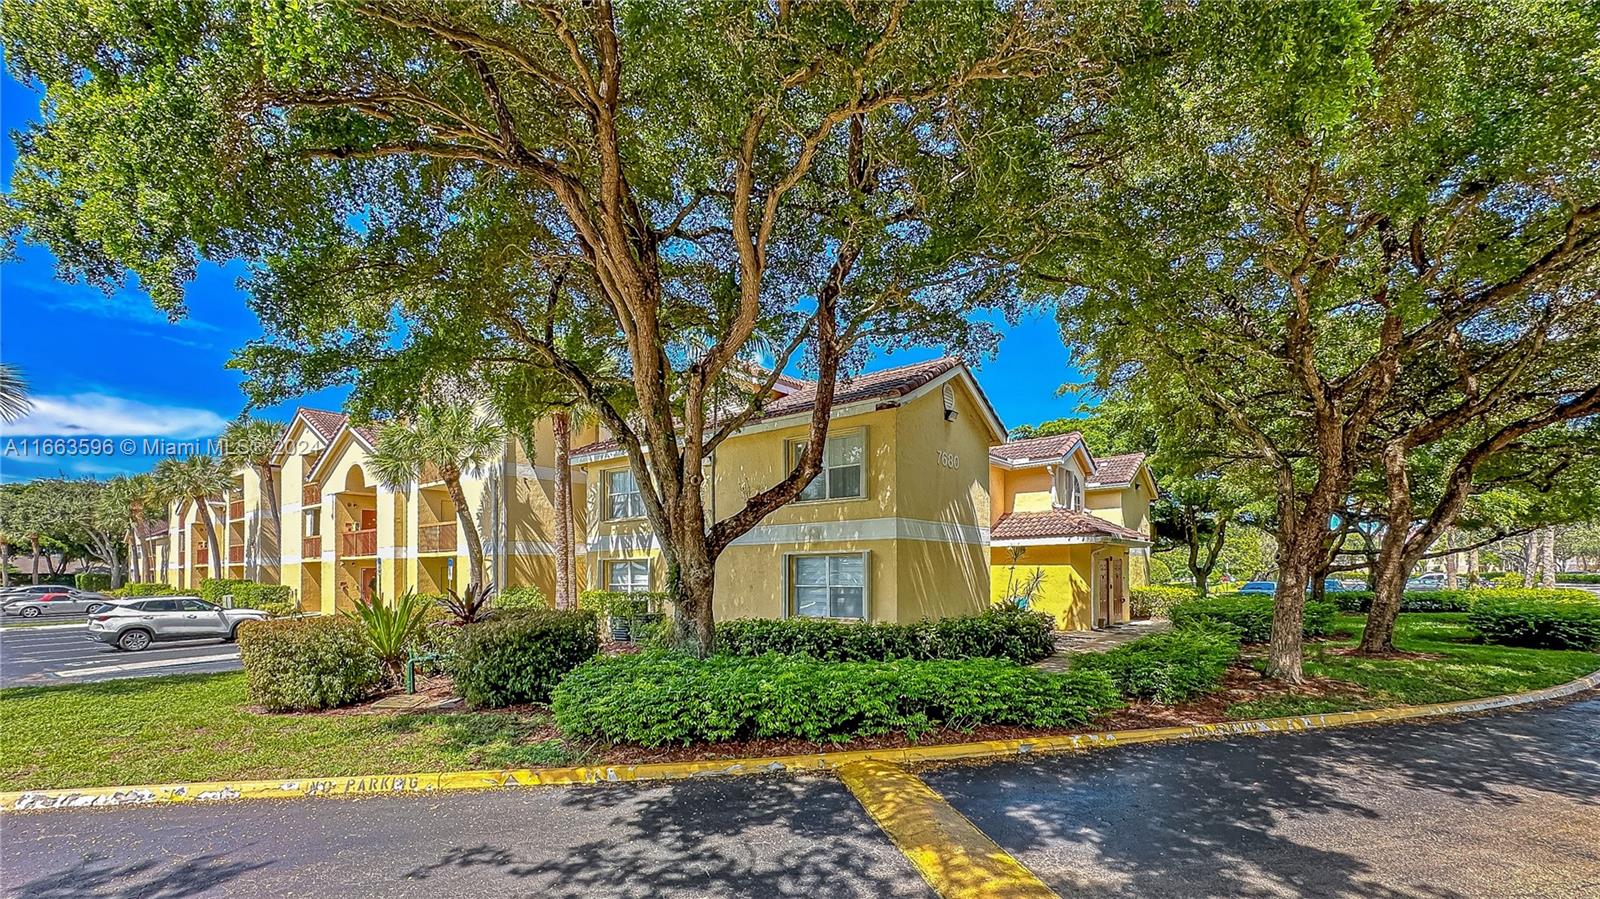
(1288, 615)
(1473, 568)
(565, 551)
(1390, 572)
(1452, 562)
(34, 538)
(5, 563)
(692, 586)
(1201, 570)
(452, 483)
(1530, 559)
(215, 566)
(1547, 564)
(270, 491)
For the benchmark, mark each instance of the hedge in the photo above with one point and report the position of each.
(92, 581)
(1504, 617)
(1001, 632)
(1578, 578)
(1249, 614)
(294, 664)
(1157, 602)
(521, 599)
(1414, 601)
(1168, 667)
(518, 657)
(617, 604)
(276, 600)
(151, 589)
(659, 699)
(212, 589)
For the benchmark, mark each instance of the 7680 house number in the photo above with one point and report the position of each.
(949, 459)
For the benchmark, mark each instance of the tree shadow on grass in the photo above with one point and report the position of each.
(1213, 818)
(725, 836)
(97, 877)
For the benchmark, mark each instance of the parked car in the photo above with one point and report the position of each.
(55, 600)
(1431, 581)
(1328, 586)
(134, 624)
(1351, 585)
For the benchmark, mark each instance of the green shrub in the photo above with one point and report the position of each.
(1168, 667)
(212, 589)
(294, 664)
(521, 599)
(1578, 578)
(1157, 602)
(616, 604)
(659, 699)
(519, 657)
(1250, 614)
(1547, 622)
(1000, 632)
(92, 581)
(390, 629)
(276, 600)
(1507, 580)
(151, 589)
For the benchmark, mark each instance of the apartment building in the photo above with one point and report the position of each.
(922, 509)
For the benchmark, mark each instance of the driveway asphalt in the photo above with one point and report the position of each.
(1493, 806)
(57, 654)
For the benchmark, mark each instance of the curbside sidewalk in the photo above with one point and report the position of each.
(446, 781)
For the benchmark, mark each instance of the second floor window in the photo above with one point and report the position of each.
(1069, 489)
(622, 496)
(843, 474)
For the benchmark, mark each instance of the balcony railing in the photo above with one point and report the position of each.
(311, 548)
(437, 538)
(236, 509)
(310, 494)
(236, 555)
(358, 543)
(200, 555)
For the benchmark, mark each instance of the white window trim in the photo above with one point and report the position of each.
(649, 574)
(1067, 495)
(605, 496)
(787, 582)
(791, 460)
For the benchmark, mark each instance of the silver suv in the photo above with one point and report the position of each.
(136, 623)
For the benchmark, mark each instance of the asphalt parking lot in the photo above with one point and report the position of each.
(60, 654)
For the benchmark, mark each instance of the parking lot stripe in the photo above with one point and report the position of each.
(153, 663)
(956, 858)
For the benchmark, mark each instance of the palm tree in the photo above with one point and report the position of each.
(135, 494)
(251, 441)
(197, 478)
(451, 439)
(14, 402)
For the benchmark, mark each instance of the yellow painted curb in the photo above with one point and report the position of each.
(956, 858)
(431, 782)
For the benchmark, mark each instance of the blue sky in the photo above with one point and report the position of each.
(114, 366)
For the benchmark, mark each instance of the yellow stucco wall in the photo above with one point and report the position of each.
(1064, 592)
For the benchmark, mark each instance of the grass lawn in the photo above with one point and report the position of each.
(198, 727)
(1465, 670)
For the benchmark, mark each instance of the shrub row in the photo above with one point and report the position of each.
(151, 589)
(1157, 602)
(616, 604)
(1001, 632)
(1578, 578)
(92, 581)
(212, 589)
(1540, 622)
(521, 599)
(1168, 667)
(518, 657)
(1248, 614)
(1415, 601)
(295, 664)
(654, 700)
(276, 600)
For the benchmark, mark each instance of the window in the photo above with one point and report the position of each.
(1068, 488)
(159, 605)
(630, 576)
(843, 473)
(313, 525)
(829, 586)
(196, 605)
(622, 496)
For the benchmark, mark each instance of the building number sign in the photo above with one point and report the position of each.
(949, 459)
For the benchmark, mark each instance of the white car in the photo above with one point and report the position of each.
(1434, 580)
(45, 599)
(134, 624)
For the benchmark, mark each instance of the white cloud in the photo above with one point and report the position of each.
(122, 305)
(101, 415)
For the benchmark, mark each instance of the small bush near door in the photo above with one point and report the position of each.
(656, 700)
(517, 657)
(1156, 602)
(296, 664)
(1168, 667)
(1537, 623)
(1250, 615)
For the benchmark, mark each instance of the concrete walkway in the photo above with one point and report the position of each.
(1069, 643)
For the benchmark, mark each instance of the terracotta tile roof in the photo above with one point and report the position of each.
(1116, 470)
(368, 433)
(1036, 447)
(153, 529)
(326, 423)
(1058, 523)
(889, 384)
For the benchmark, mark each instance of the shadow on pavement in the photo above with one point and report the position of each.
(94, 875)
(1247, 817)
(743, 837)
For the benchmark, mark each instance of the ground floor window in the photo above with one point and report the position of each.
(828, 586)
(629, 576)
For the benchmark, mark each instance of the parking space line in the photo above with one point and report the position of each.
(153, 663)
(952, 854)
